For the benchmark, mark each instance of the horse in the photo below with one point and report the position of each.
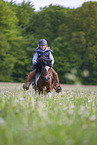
(43, 78)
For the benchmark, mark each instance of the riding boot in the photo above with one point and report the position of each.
(29, 80)
(56, 81)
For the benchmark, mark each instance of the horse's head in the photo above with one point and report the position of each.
(44, 66)
(46, 73)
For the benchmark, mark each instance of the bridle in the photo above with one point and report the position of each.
(45, 77)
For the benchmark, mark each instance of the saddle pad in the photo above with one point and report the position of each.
(37, 75)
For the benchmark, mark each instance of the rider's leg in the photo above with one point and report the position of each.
(29, 79)
(56, 81)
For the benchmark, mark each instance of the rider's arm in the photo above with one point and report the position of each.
(35, 57)
(51, 58)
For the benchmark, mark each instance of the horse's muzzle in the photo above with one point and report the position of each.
(46, 79)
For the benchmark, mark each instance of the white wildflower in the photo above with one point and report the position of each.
(49, 94)
(92, 118)
(40, 104)
(16, 101)
(2, 121)
(2, 92)
(72, 106)
(22, 99)
(70, 112)
(93, 104)
(82, 108)
(89, 101)
(60, 103)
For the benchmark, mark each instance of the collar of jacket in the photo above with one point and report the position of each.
(46, 49)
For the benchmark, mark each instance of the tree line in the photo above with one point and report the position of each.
(70, 33)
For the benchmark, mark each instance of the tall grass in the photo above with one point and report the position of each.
(67, 118)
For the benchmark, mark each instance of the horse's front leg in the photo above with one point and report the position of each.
(40, 86)
(49, 87)
(40, 91)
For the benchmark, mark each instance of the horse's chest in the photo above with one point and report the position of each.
(41, 83)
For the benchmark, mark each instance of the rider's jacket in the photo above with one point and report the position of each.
(40, 53)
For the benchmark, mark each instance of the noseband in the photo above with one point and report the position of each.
(46, 79)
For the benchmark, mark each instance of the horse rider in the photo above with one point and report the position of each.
(41, 51)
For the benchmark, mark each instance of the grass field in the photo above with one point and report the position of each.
(67, 118)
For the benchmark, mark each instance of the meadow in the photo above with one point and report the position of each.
(67, 118)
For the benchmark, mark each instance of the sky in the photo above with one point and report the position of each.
(65, 3)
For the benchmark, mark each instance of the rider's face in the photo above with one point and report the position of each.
(43, 47)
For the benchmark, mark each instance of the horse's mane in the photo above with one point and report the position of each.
(37, 66)
(41, 61)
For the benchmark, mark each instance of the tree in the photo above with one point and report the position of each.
(24, 11)
(8, 36)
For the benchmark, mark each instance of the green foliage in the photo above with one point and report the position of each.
(23, 12)
(46, 22)
(8, 21)
(24, 54)
(71, 33)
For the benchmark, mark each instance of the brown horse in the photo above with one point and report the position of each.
(43, 77)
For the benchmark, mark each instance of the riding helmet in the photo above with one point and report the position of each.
(42, 42)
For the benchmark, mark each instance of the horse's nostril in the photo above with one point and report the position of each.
(47, 79)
